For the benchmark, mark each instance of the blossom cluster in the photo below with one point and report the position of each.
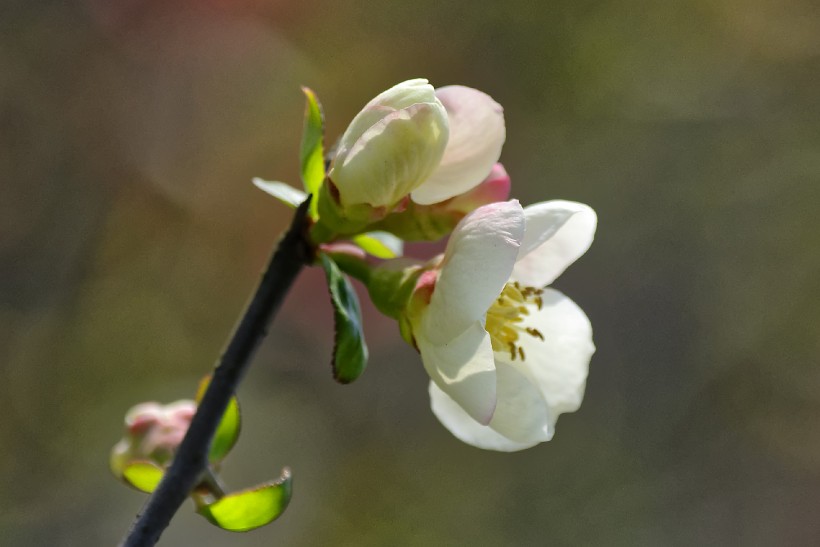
(505, 352)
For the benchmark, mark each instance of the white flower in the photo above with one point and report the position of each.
(435, 144)
(505, 355)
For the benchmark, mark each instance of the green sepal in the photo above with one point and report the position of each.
(229, 427)
(282, 191)
(380, 244)
(143, 475)
(251, 508)
(350, 350)
(311, 152)
(420, 222)
(391, 284)
(406, 331)
(335, 220)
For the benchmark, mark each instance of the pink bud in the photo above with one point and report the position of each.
(495, 187)
(343, 247)
(426, 285)
(153, 432)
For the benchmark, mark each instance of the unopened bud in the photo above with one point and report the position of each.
(153, 432)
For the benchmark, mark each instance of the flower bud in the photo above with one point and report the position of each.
(391, 147)
(153, 432)
(494, 188)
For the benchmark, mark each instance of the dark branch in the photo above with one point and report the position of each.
(292, 253)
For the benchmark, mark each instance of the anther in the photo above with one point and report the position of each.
(535, 332)
(507, 317)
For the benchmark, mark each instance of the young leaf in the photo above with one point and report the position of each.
(248, 509)
(228, 431)
(350, 350)
(284, 192)
(311, 153)
(380, 244)
(143, 475)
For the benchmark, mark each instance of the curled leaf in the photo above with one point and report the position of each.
(229, 427)
(350, 350)
(311, 153)
(380, 244)
(248, 509)
(143, 475)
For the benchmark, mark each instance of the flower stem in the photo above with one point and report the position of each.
(293, 252)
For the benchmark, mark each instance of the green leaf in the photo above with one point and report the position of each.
(248, 509)
(380, 244)
(311, 153)
(282, 191)
(228, 431)
(143, 475)
(350, 350)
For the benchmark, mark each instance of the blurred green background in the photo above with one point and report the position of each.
(130, 237)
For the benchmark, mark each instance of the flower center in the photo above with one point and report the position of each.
(506, 317)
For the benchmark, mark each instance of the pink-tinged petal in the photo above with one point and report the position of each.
(559, 364)
(477, 263)
(477, 133)
(557, 234)
(343, 247)
(464, 368)
(467, 430)
(496, 187)
(143, 413)
(392, 157)
(181, 410)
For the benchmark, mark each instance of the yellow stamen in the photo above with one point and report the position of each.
(506, 315)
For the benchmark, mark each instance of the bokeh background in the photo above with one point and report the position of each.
(130, 237)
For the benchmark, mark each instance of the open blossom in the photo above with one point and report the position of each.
(505, 355)
(414, 140)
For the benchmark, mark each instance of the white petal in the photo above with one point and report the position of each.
(559, 364)
(477, 263)
(521, 413)
(465, 369)
(404, 94)
(392, 157)
(557, 233)
(397, 97)
(477, 134)
(464, 428)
